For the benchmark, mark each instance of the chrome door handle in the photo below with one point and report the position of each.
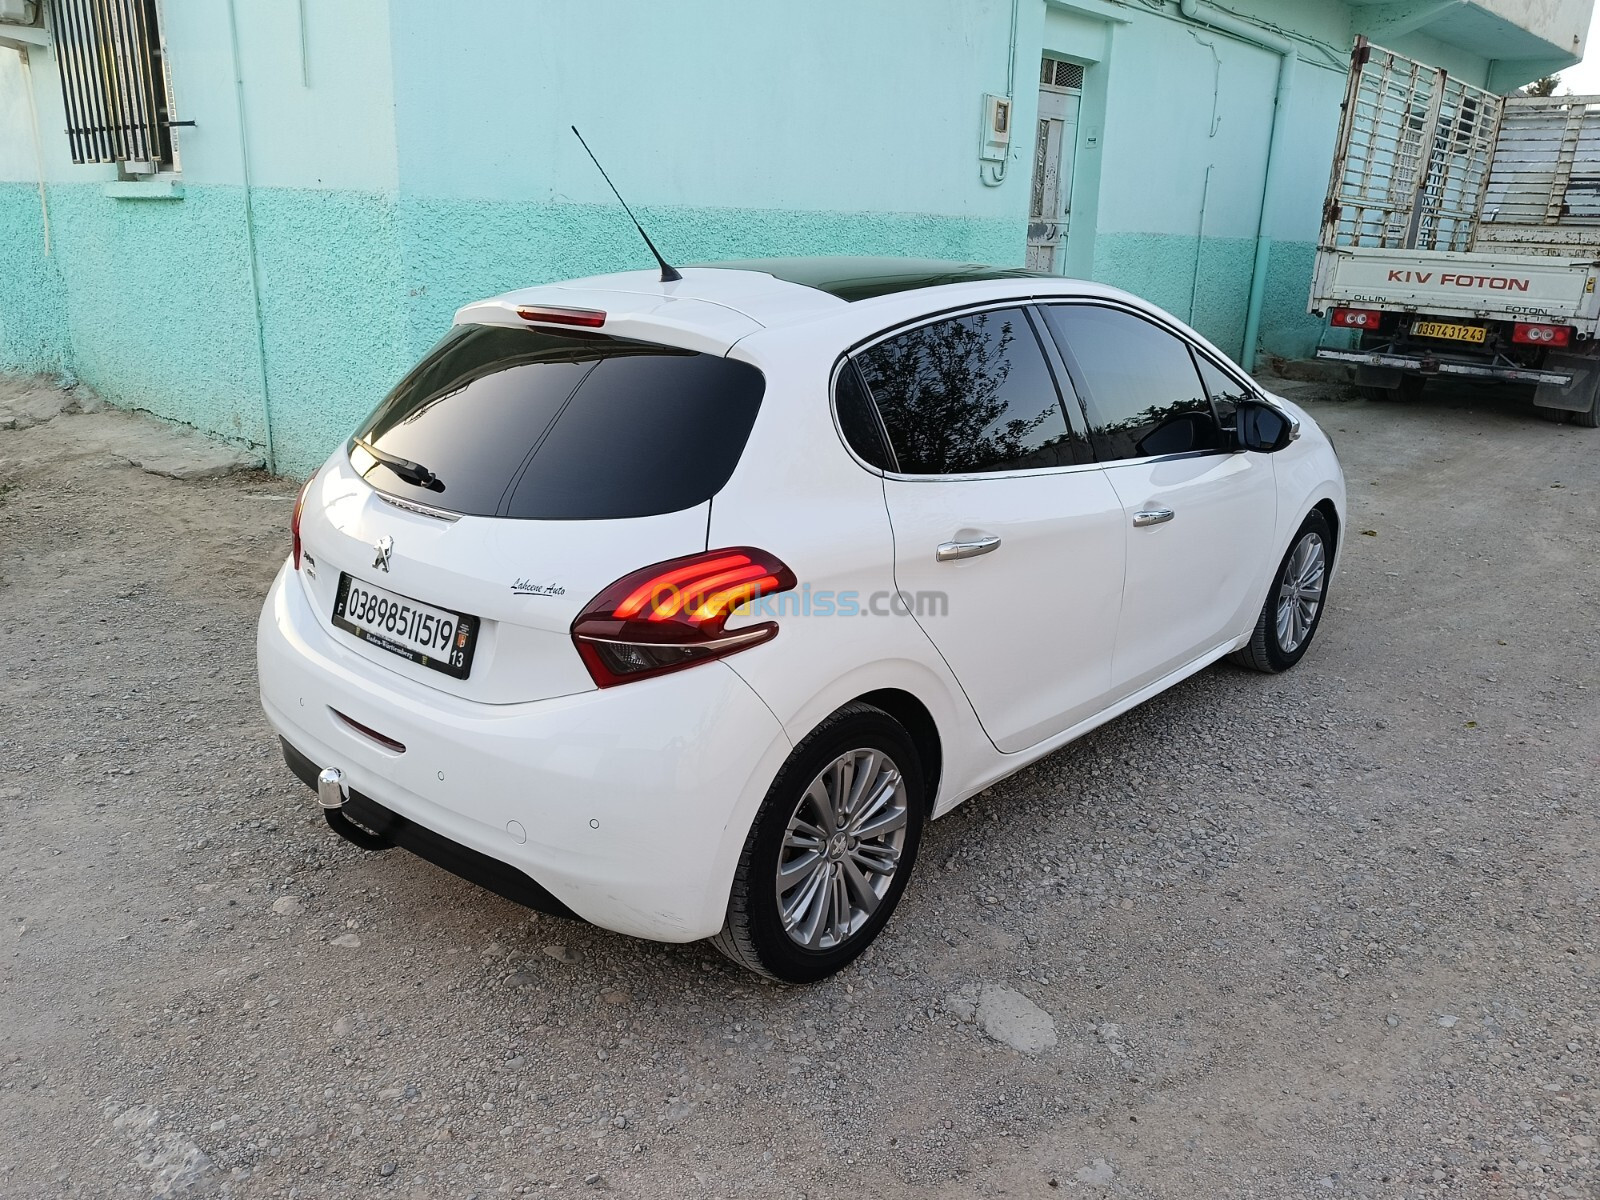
(1153, 516)
(950, 551)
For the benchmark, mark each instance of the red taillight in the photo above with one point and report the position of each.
(294, 521)
(546, 315)
(1356, 318)
(1541, 335)
(670, 616)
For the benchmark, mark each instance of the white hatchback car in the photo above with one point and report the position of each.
(681, 607)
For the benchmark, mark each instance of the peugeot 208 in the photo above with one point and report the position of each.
(682, 607)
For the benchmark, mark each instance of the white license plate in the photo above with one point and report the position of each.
(434, 637)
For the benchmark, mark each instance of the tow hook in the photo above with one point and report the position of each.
(1429, 366)
(331, 791)
(332, 794)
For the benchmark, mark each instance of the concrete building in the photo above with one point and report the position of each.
(302, 191)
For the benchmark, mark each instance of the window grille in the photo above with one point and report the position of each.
(1056, 73)
(113, 82)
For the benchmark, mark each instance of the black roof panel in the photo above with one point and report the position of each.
(863, 278)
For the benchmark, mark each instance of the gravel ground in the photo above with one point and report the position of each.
(1331, 933)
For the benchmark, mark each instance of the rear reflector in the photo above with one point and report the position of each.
(588, 317)
(1541, 335)
(672, 615)
(1356, 318)
(388, 743)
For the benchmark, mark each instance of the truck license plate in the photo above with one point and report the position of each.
(1453, 333)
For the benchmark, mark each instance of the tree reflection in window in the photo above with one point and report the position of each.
(968, 394)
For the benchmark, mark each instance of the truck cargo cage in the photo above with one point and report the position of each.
(1544, 189)
(1413, 156)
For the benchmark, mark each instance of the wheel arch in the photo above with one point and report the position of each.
(917, 721)
(1330, 512)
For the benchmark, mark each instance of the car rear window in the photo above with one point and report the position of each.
(544, 425)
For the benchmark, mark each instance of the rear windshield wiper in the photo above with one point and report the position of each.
(412, 472)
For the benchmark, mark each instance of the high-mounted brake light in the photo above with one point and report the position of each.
(1356, 318)
(1541, 335)
(672, 615)
(546, 315)
(294, 521)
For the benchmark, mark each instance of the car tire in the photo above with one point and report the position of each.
(1290, 616)
(817, 917)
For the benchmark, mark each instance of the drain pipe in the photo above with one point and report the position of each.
(995, 176)
(38, 143)
(250, 237)
(1288, 55)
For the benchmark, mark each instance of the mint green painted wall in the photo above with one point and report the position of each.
(33, 330)
(158, 306)
(455, 251)
(1287, 329)
(1204, 281)
(333, 309)
(152, 303)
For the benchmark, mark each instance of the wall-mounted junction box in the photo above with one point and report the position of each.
(996, 139)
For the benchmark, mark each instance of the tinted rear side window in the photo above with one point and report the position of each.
(858, 420)
(968, 394)
(541, 425)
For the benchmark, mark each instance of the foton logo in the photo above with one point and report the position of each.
(1495, 283)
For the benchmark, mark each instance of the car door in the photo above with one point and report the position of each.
(1008, 538)
(1198, 515)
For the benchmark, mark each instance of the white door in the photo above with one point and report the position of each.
(1055, 151)
(1198, 516)
(1008, 538)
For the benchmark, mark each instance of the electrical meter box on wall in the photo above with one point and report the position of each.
(996, 141)
(19, 12)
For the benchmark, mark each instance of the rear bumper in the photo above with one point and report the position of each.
(390, 830)
(627, 806)
(1432, 365)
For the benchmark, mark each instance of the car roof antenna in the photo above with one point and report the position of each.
(669, 273)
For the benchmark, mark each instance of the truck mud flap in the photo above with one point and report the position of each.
(1577, 396)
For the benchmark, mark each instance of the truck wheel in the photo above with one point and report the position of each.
(1407, 390)
(1590, 419)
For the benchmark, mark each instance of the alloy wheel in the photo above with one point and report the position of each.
(841, 849)
(1300, 592)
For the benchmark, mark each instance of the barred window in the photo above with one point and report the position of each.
(113, 83)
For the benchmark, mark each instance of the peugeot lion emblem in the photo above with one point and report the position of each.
(385, 547)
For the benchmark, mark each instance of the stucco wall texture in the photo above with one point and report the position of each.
(33, 331)
(151, 302)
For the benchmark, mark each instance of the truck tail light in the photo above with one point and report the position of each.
(294, 521)
(1541, 335)
(672, 615)
(1356, 318)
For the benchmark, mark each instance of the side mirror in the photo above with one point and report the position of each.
(1264, 427)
